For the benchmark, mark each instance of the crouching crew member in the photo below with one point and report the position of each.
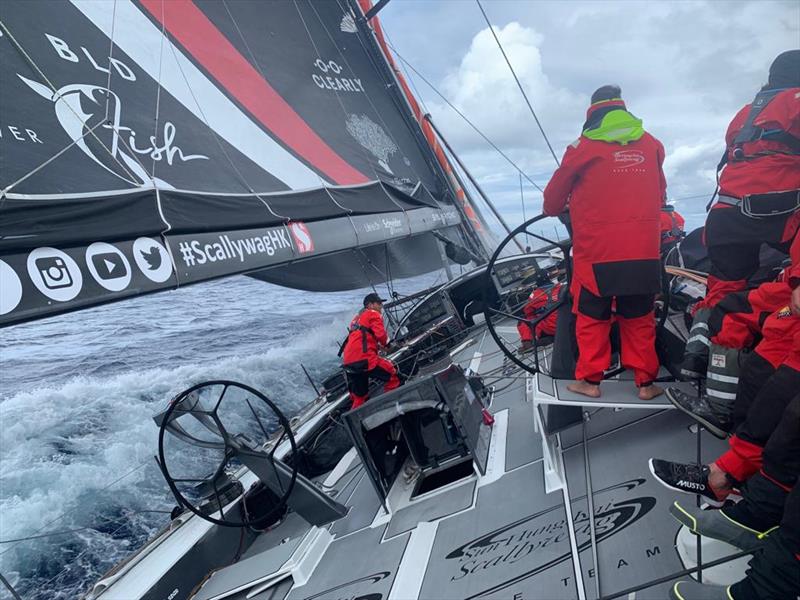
(672, 224)
(612, 182)
(542, 297)
(759, 187)
(360, 358)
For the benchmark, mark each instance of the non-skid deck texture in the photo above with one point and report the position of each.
(635, 531)
(523, 444)
(618, 392)
(356, 566)
(255, 568)
(363, 504)
(514, 543)
(431, 508)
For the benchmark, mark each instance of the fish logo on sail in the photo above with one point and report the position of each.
(92, 117)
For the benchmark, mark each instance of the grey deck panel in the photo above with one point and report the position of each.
(357, 566)
(618, 392)
(279, 591)
(363, 503)
(603, 421)
(523, 444)
(432, 508)
(257, 567)
(293, 526)
(635, 530)
(510, 394)
(513, 542)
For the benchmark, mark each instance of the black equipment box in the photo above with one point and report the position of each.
(434, 419)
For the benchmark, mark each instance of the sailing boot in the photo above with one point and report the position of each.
(689, 479)
(722, 380)
(695, 355)
(693, 590)
(717, 525)
(702, 410)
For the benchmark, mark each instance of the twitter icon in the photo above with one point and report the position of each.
(152, 259)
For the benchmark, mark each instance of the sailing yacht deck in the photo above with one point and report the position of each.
(515, 532)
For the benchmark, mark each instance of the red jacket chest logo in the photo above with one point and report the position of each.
(624, 159)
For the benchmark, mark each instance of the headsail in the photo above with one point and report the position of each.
(151, 144)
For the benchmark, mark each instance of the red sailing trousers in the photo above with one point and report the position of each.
(538, 301)
(358, 379)
(637, 330)
(780, 350)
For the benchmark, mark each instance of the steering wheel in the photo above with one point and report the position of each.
(495, 305)
(227, 424)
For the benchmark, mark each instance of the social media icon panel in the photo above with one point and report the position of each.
(10, 289)
(55, 274)
(109, 266)
(152, 259)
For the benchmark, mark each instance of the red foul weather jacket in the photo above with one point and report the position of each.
(539, 300)
(367, 335)
(767, 165)
(612, 180)
(671, 225)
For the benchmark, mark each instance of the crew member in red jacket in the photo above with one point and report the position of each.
(612, 182)
(671, 228)
(540, 299)
(360, 358)
(759, 187)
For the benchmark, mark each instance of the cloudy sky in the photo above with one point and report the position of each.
(685, 68)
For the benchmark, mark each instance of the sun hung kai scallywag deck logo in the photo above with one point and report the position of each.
(516, 547)
(356, 589)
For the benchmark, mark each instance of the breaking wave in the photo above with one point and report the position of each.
(77, 395)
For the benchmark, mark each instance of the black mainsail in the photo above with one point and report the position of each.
(151, 144)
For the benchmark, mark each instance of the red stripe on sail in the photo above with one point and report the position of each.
(198, 35)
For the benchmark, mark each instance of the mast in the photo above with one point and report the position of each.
(400, 91)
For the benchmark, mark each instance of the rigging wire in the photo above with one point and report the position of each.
(464, 117)
(78, 529)
(74, 508)
(521, 89)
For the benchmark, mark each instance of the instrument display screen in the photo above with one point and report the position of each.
(516, 271)
(430, 310)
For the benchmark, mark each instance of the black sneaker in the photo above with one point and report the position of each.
(686, 478)
(701, 411)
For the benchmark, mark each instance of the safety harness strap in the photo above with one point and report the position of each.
(751, 133)
(355, 325)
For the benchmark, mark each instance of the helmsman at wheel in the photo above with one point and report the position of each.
(612, 182)
(360, 352)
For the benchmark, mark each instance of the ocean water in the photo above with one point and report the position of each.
(77, 395)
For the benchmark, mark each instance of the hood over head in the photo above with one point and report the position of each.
(784, 72)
